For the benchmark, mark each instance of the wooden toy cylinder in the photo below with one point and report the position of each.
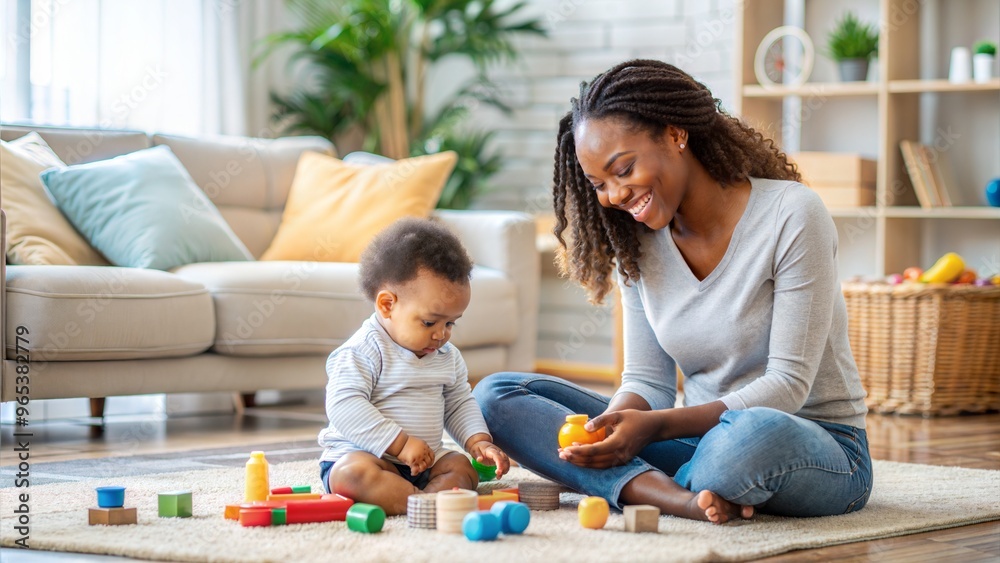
(452, 506)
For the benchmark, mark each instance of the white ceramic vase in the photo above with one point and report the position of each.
(959, 71)
(982, 67)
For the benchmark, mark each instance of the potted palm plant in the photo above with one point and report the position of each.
(983, 54)
(369, 62)
(852, 44)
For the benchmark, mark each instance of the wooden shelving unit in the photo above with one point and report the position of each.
(906, 102)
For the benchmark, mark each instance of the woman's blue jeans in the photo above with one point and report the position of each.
(779, 463)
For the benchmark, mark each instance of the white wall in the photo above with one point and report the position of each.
(586, 37)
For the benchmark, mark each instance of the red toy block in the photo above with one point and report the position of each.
(255, 516)
(304, 511)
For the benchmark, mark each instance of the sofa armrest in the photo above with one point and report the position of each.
(505, 241)
(3, 295)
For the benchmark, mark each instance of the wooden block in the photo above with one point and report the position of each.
(112, 516)
(513, 491)
(642, 518)
(845, 196)
(835, 169)
(175, 504)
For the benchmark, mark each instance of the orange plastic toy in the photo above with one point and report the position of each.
(573, 431)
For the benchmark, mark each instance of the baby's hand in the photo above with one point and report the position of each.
(417, 455)
(485, 452)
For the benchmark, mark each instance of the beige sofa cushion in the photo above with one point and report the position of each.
(247, 178)
(289, 308)
(106, 313)
(38, 232)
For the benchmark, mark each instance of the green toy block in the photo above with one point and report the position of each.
(296, 489)
(278, 517)
(176, 504)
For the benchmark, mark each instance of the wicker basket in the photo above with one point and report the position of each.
(926, 349)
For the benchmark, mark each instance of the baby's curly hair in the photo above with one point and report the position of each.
(647, 95)
(396, 255)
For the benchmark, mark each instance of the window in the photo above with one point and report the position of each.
(135, 64)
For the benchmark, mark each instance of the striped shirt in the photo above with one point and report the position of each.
(376, 388)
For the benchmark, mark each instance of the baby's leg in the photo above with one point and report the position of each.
(452, 470)
(362, 477)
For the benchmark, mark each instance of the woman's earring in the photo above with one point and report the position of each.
(682, 145)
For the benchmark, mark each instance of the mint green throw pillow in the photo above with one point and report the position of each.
(143, 210)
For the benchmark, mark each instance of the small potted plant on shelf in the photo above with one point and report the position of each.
(852, 45)
(982, 60)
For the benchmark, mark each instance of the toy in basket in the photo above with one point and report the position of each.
(927, 348)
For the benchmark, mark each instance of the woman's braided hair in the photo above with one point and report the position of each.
(647, 95)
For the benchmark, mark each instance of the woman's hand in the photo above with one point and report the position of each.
(629, 431)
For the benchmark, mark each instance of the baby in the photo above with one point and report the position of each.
(397, 383)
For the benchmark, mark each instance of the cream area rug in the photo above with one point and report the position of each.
(907, 498)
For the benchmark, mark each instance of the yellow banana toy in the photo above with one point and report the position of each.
(946, 269)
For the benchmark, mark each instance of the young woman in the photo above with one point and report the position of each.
(727, 270)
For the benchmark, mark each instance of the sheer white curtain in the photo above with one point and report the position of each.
(177, 66)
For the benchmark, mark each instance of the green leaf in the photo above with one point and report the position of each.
(344, 42)
(851, 39)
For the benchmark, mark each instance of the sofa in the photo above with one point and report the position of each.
(99, 331)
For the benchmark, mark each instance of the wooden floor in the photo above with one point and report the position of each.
(965, 441)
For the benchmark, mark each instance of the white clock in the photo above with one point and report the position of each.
(784, 57)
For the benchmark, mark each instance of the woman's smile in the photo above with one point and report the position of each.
(640, 208)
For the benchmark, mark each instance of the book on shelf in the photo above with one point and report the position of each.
(928, 175)
(934, 161)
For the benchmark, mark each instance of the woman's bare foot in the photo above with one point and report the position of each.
(718, 510)
(657, 489)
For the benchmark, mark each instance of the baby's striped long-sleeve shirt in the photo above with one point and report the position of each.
(377, 388)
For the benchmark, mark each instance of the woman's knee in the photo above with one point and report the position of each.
(748, 444)
(740, 431)
(494, 387)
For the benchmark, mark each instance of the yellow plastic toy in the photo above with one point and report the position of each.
(573, 431)
(256, 483)
(593, 512)
(945, 270)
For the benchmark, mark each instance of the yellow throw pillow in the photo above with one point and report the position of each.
(37, 232)
(334, 209)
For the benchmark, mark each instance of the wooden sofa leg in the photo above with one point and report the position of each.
(97, 407)
(243, 401)
(97, 411)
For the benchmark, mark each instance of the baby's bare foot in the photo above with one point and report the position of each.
(717, 509)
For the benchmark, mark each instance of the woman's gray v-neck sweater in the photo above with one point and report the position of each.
(768, 326)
